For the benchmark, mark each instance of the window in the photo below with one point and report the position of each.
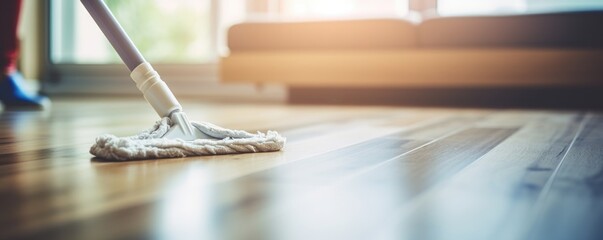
(180, 31)
(165, 31)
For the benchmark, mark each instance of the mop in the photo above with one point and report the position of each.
(173, 135)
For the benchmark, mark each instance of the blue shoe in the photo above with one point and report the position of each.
(14, 95)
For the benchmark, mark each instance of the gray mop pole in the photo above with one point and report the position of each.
(147, 80)
(114, 33)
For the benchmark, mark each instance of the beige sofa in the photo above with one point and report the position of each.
(563, 49)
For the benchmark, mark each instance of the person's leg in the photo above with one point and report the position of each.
(9, 17)
(12, 90)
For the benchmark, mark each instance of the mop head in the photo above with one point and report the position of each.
(150, 144)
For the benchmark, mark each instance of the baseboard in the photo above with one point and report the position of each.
(123, 86)
(509, 97)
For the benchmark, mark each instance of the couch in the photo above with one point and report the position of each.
(542, 50)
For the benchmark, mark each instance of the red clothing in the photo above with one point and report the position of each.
(9, 17)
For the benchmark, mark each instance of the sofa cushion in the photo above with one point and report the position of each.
(564, 30)
(322, 35)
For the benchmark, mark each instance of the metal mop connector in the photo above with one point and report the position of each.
(157, 93)
(183, 129)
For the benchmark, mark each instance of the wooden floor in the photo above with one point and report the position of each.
(345, 173)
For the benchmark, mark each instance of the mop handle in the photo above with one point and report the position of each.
(154, 90)
(114, 33)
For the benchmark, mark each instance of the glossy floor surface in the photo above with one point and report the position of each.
(345, 173)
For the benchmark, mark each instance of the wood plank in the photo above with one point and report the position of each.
(496, 193)
(571, 206)
(352, 208)
(350, 217)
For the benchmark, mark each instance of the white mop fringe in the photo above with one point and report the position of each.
(149, 144)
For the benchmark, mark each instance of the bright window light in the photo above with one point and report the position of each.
(187, 31)
(321, 9)
(165, 31)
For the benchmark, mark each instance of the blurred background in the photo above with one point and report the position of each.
(187, 42)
